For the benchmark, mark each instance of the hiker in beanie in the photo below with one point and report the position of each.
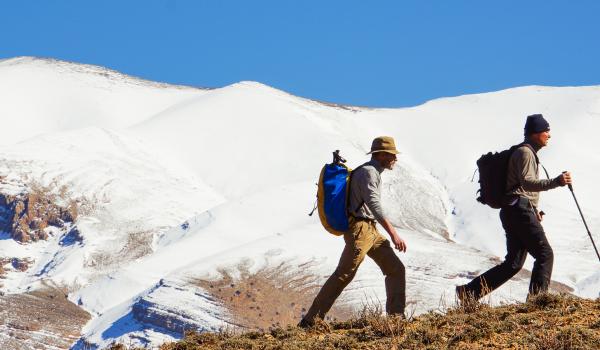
(363, 238)
(521, 218)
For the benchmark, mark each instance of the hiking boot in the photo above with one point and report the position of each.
(399, 315)
(463, 296)
(305, 324)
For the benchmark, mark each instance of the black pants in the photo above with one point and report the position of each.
(524, 234)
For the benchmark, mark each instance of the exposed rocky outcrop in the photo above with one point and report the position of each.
(17, 264)
(168, 306)
(155, 315)
(26, 215)
(21, 265)
(13, 264)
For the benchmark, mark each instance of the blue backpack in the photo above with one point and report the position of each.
(332, 195)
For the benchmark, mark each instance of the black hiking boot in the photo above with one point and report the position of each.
(463, 296)
(305, 324)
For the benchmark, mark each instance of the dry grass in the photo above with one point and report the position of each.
(270, 297)
(3, 261)
(548, 322)
(41, 318)
(136, 245)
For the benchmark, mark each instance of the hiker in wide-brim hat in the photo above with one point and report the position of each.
(362, 239)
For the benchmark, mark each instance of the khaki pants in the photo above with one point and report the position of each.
(363, 239)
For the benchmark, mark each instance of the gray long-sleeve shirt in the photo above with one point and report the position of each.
(365, 192)
(523, 176)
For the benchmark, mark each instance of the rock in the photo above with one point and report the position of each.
(168, 306)
(21, 264)
(25, 216)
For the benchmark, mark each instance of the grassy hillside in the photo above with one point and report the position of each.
(545, 322)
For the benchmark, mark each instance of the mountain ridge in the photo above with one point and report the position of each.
(186, 183)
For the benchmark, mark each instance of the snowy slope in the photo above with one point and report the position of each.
(127, 214)
(45, 95)
(471, 125)
(201, 179)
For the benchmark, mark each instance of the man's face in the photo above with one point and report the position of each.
(541, 138)
(387, 160)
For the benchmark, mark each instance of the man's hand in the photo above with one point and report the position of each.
(399, 243)
(565, 178)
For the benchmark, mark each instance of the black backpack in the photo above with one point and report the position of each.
(493, 172)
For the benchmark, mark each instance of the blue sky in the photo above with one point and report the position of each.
(368, 53)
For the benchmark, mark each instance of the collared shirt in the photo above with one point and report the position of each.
(523, 176)
(365, 192)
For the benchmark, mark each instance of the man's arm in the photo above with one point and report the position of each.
(372, 196)
(398, 242)
(524, 160)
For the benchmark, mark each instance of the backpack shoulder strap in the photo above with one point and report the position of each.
(525, 144)
(537, 160)
(348, 192)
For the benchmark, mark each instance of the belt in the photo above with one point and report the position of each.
(521, 200)
(358, 218)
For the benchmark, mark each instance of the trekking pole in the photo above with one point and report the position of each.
(582, 218)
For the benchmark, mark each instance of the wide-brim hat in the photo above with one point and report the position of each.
(384, 144)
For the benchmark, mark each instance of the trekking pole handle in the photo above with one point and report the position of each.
(570, 185)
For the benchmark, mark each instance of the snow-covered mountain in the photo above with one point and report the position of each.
(177, 182)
